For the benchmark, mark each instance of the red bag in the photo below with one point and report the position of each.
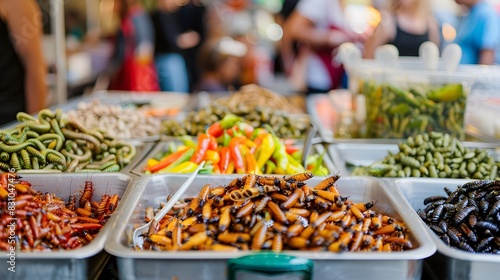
(134, 75)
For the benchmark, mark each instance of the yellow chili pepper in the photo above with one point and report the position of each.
(185, 167)
(212, 156)
(151, 162)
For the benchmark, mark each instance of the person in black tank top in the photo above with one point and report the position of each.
(22, 85)
(408, 43)
(406, 25)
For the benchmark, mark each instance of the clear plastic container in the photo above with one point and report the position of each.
(401, 103)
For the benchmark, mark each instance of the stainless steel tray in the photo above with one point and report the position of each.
(365, 153)
(70, 264)
(324, 124)
(138, 169)
(152, 190)
(448, 263)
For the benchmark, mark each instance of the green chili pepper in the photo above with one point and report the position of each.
(279, 153)
(229, 121)
(447, 93)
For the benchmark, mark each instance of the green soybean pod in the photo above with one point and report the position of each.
(424, 170)
(447, 170)
(477, 176)
(493, 172)
(471, 167)
(415, 173)
(407, 171)
(433, 172)
(401, 173)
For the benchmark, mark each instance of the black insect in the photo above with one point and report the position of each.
(483, 243)
(487, 226)
(461, 214)
(466, 247)
(433, 199)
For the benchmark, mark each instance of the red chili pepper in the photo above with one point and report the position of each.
(225, 158)
(166, 161)
(236, 155)
(212, 145)
(202, 147)
(215, 129)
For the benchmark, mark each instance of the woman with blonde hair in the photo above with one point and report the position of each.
(406, 25)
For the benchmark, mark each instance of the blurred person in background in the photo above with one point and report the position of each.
(477, 32)
(320, 27)
(169, 41)
(132, 66)
(406, 25)
(22, 65)
(192, 18)
(220, 60)
(242, 20)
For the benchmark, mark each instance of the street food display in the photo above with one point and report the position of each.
(118, 122)
(51, 142)
(257, 191)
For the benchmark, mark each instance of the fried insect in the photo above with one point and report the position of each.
(276, 213)
(472, 211)
(88, 190)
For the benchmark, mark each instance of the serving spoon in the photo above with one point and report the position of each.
(138, 236)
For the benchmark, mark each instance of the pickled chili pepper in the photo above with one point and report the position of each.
(318, 164)
(266, 151)
(270, 167)
(187, 141)
(185, 156)
(279, 153)
(246, 128)
(229, 121)
(258, 131)
(204, 142)
(225, 139)
(251, 163)
(212, 156)
(258, 140)
(447, 93)
(165, 161)
(216, 169)
(215, 129)
(185, 167)
(236, 155)
(290, 149)
(230, 168)
(225, 159)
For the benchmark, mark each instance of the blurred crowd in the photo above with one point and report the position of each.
(219, 45)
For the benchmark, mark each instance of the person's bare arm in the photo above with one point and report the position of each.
(303, 30)
(434, 35)
(25, 27)
(487, 57)
(382, 34)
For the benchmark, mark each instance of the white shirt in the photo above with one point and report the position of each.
(323, 13)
